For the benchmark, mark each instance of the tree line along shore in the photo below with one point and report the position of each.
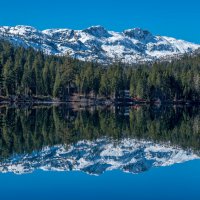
(27, 75)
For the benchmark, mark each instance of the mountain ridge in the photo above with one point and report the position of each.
(98, 44)
(96, 157)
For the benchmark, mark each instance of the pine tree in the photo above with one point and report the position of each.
(1, 80)
(9, 74)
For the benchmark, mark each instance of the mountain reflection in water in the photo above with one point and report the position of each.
(59, 138)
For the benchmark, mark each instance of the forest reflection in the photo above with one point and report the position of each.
(25, 129)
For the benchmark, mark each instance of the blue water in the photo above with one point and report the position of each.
(180, 181)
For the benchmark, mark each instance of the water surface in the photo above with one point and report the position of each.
(57, 152)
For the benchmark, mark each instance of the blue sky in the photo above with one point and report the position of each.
(180, 19)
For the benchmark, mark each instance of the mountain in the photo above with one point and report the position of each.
(96, 157)
(98, 44)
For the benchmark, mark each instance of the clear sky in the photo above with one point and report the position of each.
(176, 18)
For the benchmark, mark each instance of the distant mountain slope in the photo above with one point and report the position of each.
(96, 157)
(97, 44)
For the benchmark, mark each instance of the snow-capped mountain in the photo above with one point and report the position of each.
(96, 157)
(98, 44)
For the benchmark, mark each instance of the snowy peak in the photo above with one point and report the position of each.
(98, 44)
(96, 157)
(139, 34)
(20, 30)
(97, 31)
(59, 34)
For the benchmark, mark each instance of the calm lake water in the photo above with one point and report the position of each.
(59, 152)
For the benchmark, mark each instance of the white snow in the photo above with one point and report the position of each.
(97, 44)
(96, 157)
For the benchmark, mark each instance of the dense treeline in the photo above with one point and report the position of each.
(27, 72)
(26, 130)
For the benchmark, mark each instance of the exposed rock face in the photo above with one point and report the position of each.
(98, 44)
(96, 157)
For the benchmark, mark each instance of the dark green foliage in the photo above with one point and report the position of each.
(28, 72)
(24, 130)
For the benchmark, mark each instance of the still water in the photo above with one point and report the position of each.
(60, 152)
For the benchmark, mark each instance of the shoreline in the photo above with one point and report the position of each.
(95, 102)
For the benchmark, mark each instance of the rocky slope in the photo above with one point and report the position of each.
(98, 44)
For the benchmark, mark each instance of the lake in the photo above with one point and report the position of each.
(69, 152)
